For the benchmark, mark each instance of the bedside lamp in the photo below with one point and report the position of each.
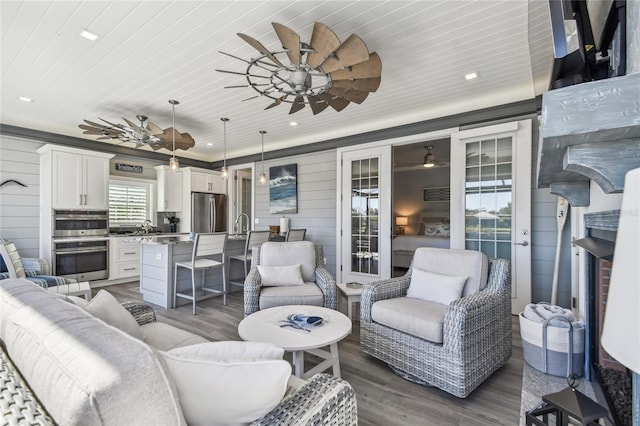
(401, 222)
(621, 330)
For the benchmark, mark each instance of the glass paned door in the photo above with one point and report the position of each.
(365, 209)
(491, 198)
(488, 196)
(364, 228)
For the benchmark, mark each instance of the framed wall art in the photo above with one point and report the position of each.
(283, 189)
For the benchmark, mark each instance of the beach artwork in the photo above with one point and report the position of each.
(283, 189)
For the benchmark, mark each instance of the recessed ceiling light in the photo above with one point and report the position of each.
(293, 123)
(25, 99)
(88, 35)
(471, 75)
(209, 143)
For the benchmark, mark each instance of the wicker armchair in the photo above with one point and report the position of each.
(319, 289)
(476, 334)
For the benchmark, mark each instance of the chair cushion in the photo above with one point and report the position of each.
(280, 275)
(165, 337)
(434, 287)
(107, 308)
(226, 383)
(472, 264)
(307, 294)
(413, 316)
(290, 253)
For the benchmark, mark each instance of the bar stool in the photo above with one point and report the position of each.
(296, 234)
(255, 238)
(205, 246)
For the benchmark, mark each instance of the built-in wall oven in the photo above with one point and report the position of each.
(85, 259)
(80, 223)
(80, 244)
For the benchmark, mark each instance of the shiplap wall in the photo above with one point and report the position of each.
(20, 206)
(316, 200)
(544, 235)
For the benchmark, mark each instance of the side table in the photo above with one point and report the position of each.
(352, 294)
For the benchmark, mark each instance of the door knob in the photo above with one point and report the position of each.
(524, 243)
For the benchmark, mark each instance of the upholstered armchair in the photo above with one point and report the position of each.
(453, 342)
(280, 283)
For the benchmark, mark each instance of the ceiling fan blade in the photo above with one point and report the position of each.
(134, 126)
(335, 102)
(370, 68)
(324, 41)
(98, 125)
(350, 95)
(90, 128)
(260, 48)
(353, 51)
(290, 41)
(298, 104)
(155, 130)
(186, 142)
(317, 104)
(168, 135)
(234, 57)
(363, 85)
(110, 124)
(276, 102)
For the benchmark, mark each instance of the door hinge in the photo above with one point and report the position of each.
(340, 268)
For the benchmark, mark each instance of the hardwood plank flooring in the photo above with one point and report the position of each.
(383, 397)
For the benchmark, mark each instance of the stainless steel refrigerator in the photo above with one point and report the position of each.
(208, 212)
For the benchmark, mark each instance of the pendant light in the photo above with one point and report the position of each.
(173, 161)
(263, 176)
(224, 170)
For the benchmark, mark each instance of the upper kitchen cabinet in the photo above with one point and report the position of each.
(170, 190)
(74, 178)
(207, 181)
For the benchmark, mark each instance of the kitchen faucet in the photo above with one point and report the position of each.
(238, 220)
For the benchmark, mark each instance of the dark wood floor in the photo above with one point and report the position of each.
(383, 397)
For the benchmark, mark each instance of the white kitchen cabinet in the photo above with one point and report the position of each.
(208, 182)
(124, 258)
(170, 190)
(79, 181)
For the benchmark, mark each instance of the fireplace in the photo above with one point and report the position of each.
(612, 377)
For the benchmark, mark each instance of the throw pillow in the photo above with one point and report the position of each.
(430, 229)
(228, 382)
(107, 308)
(433, 287)
(280, 275)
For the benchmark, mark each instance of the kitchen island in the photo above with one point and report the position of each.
(158, 257)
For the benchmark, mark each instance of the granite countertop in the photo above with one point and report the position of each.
(165, 239)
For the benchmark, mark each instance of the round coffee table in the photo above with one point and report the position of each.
(264, 326)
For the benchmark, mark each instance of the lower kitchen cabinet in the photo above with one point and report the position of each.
(124, 258)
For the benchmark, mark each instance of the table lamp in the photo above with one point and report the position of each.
(621, 330)
(401, 222)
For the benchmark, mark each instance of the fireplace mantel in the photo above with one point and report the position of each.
(590, 131)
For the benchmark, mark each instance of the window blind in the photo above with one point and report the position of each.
(128, 203)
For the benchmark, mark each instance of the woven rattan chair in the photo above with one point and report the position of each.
(475, 332)
(319, 287)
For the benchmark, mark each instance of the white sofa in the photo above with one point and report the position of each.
(84, 371)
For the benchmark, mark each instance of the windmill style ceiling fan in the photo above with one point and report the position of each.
(324, 72)
(145, 133)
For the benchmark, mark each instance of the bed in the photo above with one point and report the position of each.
(432, 232)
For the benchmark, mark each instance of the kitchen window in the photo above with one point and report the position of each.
(130, 202)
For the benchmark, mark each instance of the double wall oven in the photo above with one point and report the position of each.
(80, 244)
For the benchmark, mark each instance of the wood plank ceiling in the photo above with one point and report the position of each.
(150, 52)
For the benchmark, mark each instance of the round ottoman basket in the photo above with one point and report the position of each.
(558, 351)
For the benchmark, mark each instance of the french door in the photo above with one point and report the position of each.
(365, 225)
(491, 198)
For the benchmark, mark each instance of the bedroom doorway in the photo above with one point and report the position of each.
(420, 199)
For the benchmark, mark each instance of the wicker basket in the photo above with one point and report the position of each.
(553, 350)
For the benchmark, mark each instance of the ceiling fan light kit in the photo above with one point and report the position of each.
(324, 72)
(428, 158)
